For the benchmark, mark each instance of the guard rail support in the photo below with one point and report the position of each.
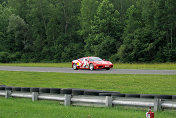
(67, 100)
(7, 94)
(34, 96)
(157, 104)
(108, 102)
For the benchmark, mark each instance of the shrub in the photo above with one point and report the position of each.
(4, 57)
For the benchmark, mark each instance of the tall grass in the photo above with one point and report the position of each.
(153, 66)
(25, 108)
(159, 66)
(148, 84)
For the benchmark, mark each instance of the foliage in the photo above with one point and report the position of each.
(147, 35)
(4, 57)
(105, 31)
(62, 30)
(17, 34)
(88, 10)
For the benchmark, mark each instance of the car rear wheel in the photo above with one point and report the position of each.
(75, 66)
(91, 67)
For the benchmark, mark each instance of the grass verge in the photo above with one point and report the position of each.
(61, 65)
(25, 108)
(142, 84)
(161, 66)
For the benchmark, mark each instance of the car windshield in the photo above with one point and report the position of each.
(95, 59)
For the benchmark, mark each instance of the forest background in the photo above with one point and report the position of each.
(63, 30)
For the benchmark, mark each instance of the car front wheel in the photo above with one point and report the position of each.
(91, 66)
(75, 66)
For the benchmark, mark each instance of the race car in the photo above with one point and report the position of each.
(91, 63)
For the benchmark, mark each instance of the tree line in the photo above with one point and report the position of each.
(63, 30)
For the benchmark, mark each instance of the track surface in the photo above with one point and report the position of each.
(70, 70)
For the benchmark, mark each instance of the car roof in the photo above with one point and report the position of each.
(88, 57)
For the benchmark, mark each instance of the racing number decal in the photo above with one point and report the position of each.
(85, 63)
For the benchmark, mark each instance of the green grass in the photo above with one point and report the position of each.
(160, 66)
(61, 65)
(147, 84)
(25, 108)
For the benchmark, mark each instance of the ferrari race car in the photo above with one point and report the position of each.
(91, 63)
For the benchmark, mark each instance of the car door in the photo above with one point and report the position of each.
(81, 62)
(85, 63)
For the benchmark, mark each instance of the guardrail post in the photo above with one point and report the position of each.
(34, 96)
(67, 100)
(7, 94)
(157, 104)
(108, 102)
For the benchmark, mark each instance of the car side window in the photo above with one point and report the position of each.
(81, 59)
(85, 59)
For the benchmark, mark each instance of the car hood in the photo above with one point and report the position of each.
(103, 62)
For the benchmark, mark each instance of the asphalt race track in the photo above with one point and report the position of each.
(70, 70)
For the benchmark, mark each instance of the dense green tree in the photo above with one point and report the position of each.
(20, 7)
(128, 49)
(88, 10)
(3, 1)
(105, 31)
(5, 12)
(17, 34)
(170, 28)
(62, 30)
(71, 13)
(145, 36)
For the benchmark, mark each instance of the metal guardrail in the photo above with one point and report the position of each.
(97, 101)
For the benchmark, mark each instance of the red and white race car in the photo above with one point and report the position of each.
(91, 63)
